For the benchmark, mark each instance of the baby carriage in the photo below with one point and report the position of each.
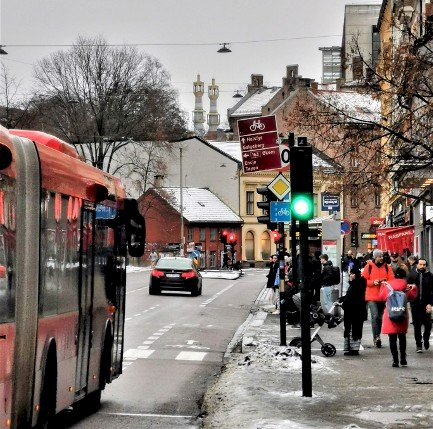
(318, 317)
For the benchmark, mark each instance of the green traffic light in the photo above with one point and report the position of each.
(302, 207)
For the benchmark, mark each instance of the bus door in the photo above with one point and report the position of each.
(85, 300)
(119, 316)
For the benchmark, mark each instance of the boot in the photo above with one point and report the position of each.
(346, 344)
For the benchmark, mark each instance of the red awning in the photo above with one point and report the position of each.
(396, 239)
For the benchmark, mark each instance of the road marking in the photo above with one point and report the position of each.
(191, 342)
(136, 290)
(196, 356)
(153, 338)
(148, 342)
(214, 297)
(137, 354)
(169, 416)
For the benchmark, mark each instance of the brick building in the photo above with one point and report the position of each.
(204, 216)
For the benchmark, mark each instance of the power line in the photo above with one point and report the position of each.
(238, 42)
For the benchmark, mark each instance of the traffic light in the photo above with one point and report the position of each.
(276, 236)
(301, 182)
(354, 236)
(232, 239)
(223, 237)
(265, 205)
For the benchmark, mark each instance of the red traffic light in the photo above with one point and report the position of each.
(223, 236)
(276, 236)
(232, 238)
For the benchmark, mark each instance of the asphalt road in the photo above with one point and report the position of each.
(174, 346)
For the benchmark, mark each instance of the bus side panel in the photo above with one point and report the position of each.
(7, 337)
(62, 328)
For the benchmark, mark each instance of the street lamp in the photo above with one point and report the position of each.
(181, 250)
(224, 49)
(2, 51)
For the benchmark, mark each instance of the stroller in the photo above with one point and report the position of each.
(319, 317)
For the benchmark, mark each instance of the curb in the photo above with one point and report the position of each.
(255, 318)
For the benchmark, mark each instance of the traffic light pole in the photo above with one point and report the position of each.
(304, 286)
(281, 245)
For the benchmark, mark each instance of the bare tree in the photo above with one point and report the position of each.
(99, 98)
(14, 108)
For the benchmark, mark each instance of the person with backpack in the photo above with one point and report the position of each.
(375, 272)
(327, 282)
(421, 307)
(396, 294)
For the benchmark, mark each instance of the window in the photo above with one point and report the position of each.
(250, 202)
(377, 200)
(213, 234)
(354, 200)
(354, 157)
(190, 236)
(202, 234)
(357, 67)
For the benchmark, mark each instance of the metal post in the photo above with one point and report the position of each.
(181, 244)
(304, 285)
(283, 335)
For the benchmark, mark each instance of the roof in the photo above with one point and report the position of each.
(233, 148)
(357, 108)
(199, 205)
(252, 105)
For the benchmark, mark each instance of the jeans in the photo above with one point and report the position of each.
(376, 312)
(327, 298)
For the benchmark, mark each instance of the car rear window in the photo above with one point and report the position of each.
(180, 264)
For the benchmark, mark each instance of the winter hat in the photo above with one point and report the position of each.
(359, 255)
(376, 253)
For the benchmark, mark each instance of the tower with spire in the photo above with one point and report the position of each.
(213, 118)
(198, 115)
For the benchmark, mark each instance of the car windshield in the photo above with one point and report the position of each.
(181, 264)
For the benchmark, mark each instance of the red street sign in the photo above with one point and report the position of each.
(259, 144)
(261, 124)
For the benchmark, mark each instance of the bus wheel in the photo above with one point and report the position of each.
(47, 412)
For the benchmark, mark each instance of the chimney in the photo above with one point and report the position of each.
(256, 82)
(314, 86)
(158, 180)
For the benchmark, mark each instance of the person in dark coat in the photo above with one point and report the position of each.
(355, 310)
(316, 282)
(397, 330)
(272, 272)
(421, 307)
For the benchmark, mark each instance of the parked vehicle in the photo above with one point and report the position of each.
(175, 274)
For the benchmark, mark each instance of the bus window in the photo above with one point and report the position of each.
(135, 228)
(59, 256)
(7, 250)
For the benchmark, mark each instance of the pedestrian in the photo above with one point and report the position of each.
(349, 262)
(397, 330)
(273, 270)
(412, 262)
(326, 281)
(397, 262)
(360, 259)
(355, 310)
(375, 272)
(421, 307)
(153, 257)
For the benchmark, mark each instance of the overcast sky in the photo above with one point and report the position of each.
(246, 24)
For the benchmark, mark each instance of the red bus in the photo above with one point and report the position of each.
(66, 229)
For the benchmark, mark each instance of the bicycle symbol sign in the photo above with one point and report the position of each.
(257, 125)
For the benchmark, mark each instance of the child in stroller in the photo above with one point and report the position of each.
(317, 317)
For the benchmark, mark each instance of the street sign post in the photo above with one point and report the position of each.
(280, 211)
(259, 144)
(346, 227)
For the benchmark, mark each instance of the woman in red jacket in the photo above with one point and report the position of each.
(397, 329)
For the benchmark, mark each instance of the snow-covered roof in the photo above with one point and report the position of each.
(356, 107)
(199, 205)
(252, 105)
(233, 148)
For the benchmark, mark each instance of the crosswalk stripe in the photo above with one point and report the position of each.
(197, 356)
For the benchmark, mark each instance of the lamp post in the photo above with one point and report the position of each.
(182, 244)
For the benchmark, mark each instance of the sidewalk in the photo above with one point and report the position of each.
(261, 383)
